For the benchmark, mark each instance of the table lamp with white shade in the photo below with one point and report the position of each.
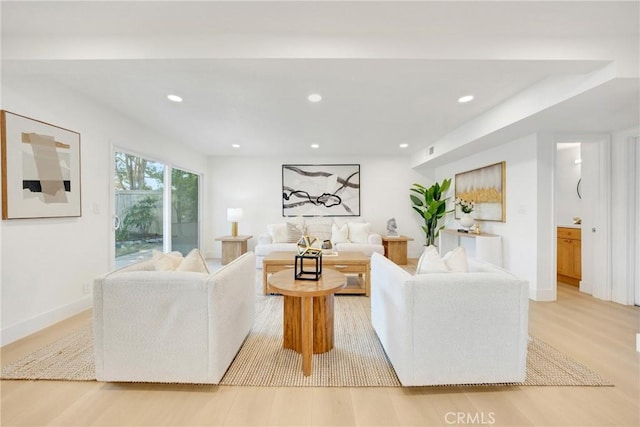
(233, 216)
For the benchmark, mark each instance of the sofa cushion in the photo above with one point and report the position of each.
(367, 249)
(278, 232)
(294, 233)
(359, 232)
(339, 234)
(430, 262)
(193, 262)
(166, 261)
(320, 230)
(456, 260)
(262, 250)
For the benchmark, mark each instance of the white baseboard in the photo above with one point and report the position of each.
(543, 294)
(20, 330)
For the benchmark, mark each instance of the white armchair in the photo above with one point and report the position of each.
(451, 328)
(172, 326)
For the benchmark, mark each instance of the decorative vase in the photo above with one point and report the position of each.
(467, 221)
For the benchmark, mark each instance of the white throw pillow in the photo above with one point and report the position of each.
(278, 232)
(430, 262)
(166, 261)
(359, 232)
(193, 262)
(456, 260)
(339, 234)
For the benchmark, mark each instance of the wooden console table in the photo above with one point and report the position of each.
(233, 247)
(395, 248)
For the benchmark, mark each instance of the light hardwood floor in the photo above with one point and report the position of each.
(596, 333)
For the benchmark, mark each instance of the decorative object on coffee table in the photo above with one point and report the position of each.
(300, 273)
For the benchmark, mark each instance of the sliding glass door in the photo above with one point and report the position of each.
(156, 208)
(184, 210)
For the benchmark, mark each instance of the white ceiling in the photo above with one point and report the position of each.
(389, 73)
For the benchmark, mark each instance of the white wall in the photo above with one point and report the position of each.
(46, 263)
(519, 231)
(255, 184)
(568, 204)
(625, 212)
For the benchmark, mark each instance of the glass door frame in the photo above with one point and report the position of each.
(166, 208)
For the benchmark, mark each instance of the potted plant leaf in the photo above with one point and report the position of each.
(430, 205)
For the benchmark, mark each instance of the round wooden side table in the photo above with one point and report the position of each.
(308, 312)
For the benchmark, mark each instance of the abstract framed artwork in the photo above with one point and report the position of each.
(41, 169)
(485, 187)
(321, 190)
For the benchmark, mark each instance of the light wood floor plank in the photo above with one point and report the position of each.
(599, 334)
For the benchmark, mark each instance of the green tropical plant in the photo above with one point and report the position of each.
(430, 205)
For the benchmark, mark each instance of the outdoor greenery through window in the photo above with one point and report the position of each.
(140, 200)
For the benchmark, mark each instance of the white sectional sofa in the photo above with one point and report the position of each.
(345, 235)
(172, 326)
(451, 327)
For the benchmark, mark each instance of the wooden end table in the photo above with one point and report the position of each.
(308, 312)
(233, 247)
(395, 248)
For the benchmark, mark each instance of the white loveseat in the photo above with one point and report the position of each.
(451, 328)
(346, 235)
(172, 326)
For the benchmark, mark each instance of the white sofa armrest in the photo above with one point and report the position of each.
(374, 239)
(265, 239)
(392, 290)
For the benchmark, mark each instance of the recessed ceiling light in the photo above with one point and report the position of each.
(315, 146)
(235, 145)
(174, 98)
(404, 145)
(465, 98)
(314, 97)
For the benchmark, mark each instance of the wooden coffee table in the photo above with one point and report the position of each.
(350, 263)
(308, 312)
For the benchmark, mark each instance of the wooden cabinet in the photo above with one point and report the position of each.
(569, 247)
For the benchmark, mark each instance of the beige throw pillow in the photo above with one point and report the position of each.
(166, 261)
(294, 233)
(319, 230)
(194, 261)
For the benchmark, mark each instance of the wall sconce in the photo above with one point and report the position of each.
(233, 216)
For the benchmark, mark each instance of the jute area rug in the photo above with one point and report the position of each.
(357, 359)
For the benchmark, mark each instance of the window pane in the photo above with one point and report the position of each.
(184, 211)
(139, 187)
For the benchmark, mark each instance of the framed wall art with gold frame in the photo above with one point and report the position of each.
(485, 187)
(40, 169)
